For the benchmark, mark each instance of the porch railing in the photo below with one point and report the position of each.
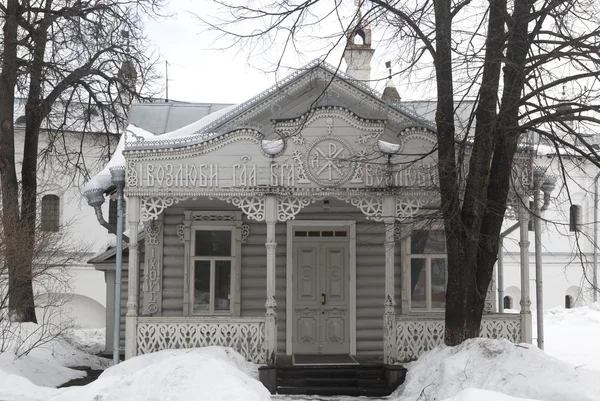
(418, 334)
(245, 335)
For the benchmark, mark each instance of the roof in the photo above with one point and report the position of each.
(290, 79)
(71, 117)
(161, 117)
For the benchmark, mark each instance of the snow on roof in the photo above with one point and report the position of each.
(160, 117)
(135, 134)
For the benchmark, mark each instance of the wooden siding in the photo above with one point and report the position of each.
(370, 274)
(172, 284)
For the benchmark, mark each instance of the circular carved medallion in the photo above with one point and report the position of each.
(330, 161)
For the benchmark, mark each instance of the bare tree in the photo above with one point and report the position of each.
(53, 252)
(510, 58)
(61, 52)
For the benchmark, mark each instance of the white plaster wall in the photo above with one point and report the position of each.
(80, 228)
(566, 256)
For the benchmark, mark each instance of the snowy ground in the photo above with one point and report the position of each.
(478, 370)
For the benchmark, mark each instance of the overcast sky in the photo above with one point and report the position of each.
(199, 73)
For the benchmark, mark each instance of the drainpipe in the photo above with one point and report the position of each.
(501, 265)
(95, 198)
(595, 270)
(545, 184)
(118, 179)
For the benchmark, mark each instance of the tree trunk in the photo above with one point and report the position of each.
(20, 297)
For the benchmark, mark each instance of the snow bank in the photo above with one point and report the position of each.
(211, 373)
(497, 365)
(573, 335)
(89, 340)
(42, 355)
(17, 388)
(473, 394)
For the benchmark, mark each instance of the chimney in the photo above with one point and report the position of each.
(358, 51)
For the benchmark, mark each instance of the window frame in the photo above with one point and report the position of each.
(212, 221)
(428, 272)
(212, 260)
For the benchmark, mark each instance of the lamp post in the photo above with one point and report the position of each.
(545, 184)
(117, 175)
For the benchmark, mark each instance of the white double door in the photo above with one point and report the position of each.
(321, 318)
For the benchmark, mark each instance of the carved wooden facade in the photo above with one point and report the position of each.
(281, 157)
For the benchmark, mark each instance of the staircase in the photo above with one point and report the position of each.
(359, 380)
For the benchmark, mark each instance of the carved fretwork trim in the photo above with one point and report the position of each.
(181, 232)
(152, 231)
(407, 206)
(370, 205)
(153, 206)
(252, 206)
(289, 206)
(245, 232)
(153, 267)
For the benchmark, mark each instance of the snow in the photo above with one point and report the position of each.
(473, 394)
(88, 340)
(210, 373)
(388, 147)
(497, 365)
(43, 354)
(477, 370)
(573, 335)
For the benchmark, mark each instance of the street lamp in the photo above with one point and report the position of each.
(545, 184)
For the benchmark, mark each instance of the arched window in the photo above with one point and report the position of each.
(21, 120)
(50, 213)
(575, 218)
(508, 302)
(568, 302)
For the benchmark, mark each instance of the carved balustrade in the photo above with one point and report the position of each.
(245, 335)
(417, 334)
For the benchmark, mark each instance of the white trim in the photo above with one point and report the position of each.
(289, 270)
(192, 222)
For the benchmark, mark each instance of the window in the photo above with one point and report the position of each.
(575, 218)
(50, 213)
(21, 120)
(568, 302)
(212, 265)
(507, 302)
(428, 270)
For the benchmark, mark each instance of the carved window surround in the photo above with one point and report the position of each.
(207, 220)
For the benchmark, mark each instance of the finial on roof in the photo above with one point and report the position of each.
(390, 93)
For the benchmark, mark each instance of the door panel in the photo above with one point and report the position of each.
(321, 315)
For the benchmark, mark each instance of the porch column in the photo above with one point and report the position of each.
(389, 304)
(526, 335)
(271, 304)
(133, 218)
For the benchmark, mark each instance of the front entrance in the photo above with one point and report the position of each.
(321, 313)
